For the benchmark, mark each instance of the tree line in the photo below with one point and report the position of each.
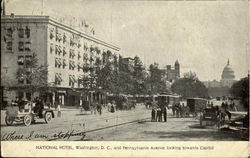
(119, 77)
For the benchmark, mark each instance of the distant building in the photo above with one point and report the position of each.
(170, 73)
(126, 64)
(227, 77)
(221, 88)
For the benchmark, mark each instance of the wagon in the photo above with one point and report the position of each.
(209, 117)
(27, 115)
(196, 105)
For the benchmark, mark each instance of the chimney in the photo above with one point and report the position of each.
(12, 15)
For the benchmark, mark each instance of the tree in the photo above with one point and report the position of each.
(240, 90)
(191, 75)
(154, 82)
(139, 77)
(32, 77)
(190, 86)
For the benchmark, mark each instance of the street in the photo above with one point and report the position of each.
(118, 126)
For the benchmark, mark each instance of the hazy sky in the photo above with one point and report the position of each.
(201, 35)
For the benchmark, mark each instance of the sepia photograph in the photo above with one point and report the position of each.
(81, 70)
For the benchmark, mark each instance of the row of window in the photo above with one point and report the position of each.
(24, 46)
(72, 80)
(22, 32)
(24, 60)
(21, 46)
(58, 79)
(72, 54)
(61, 63)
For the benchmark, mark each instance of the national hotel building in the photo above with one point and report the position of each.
(68, 52)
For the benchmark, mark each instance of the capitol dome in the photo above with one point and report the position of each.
(228, 73)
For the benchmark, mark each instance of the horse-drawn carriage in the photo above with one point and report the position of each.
(27, 115)
(196, 106)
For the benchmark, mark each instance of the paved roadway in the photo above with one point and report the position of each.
(84, 126)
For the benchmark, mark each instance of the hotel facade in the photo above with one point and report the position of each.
(69, 54)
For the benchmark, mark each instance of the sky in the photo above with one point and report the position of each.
(201, 35)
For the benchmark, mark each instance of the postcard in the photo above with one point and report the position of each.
(124, 78)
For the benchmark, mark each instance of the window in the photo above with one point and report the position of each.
(58, 63)
(58, 49)
(20, 60)
(64, 51)
(9, 32)
(79, 66)
(79, 56)
(64, 38)
(92, 48)
(21, 33)
(27, 32)
(98, 61)
(71, 43)
(52, 48)
(64, 63)
(85, 57)
(71, 54)
(9, 45)
(72, 80)
(85, 47)
(91, 59)
(28, 46)
(58, 37)
(20, 46)
(79, 45)
(72, 65)
(28, 59)
(58, 78)
(51, 34)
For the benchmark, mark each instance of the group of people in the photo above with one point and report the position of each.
(36, 105)
(225, 107)
(96, 107)
(111, 107)
(178, 109)
(157, 114)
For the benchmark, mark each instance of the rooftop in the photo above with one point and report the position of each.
(48, 19)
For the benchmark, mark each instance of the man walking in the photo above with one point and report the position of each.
(165, 114)
(153, 115)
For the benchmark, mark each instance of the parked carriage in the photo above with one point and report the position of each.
(196, 105)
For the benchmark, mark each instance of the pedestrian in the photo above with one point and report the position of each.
(94, 105)
(165, 114)
(159, 114)
(109, 106)
(177, 109)
(153, 115)
(99, 108)
(112, 108)
(115, 106)
(59, 114)
(173, 109)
